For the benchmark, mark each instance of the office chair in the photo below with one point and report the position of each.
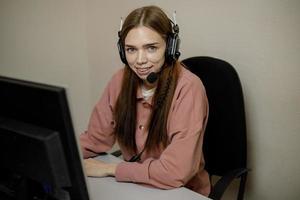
(224, 146)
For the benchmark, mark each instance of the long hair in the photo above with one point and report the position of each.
(125, 112)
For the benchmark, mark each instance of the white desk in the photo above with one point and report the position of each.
(109, 189)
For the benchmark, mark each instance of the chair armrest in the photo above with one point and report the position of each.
(221, 185)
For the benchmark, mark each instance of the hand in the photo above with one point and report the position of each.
(97, 168)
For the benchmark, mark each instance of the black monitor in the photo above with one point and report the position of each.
(38, 148)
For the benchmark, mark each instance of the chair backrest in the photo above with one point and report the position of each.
(225, 137)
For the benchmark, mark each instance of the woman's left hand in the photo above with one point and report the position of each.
(97, 168)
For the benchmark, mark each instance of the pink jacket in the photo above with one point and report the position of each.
(181, 163)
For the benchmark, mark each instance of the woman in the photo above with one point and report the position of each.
(154, 108)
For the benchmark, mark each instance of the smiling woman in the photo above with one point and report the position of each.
(159, 124)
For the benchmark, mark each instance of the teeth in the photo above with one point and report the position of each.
(143, 69)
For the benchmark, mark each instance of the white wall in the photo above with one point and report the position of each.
(45, 41)
(73, 43)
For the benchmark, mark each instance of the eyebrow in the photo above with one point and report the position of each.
(145, 45)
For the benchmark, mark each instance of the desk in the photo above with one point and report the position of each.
(108, 188)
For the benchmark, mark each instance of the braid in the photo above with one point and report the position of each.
(157, 136)
(165, 91)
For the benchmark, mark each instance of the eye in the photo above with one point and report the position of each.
(151, 48)
(130, 50)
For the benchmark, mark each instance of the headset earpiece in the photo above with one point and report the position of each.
(121, 49)
(173, 42)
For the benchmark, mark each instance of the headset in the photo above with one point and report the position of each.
(172, 45)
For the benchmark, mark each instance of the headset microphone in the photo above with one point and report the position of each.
(152, 77)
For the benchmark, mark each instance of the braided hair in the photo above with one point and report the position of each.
(162, 101)
(125, 109)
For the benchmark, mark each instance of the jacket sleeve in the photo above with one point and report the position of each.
(180, 161)
(99, 136)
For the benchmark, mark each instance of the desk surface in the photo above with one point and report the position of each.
(109, 189)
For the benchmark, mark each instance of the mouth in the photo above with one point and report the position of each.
(143, 71)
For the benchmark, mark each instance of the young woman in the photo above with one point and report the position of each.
(154, 108)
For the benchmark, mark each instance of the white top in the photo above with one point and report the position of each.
(147, 93)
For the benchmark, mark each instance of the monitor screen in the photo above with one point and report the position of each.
(38, 148)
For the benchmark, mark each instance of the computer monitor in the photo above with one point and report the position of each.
(38, 148)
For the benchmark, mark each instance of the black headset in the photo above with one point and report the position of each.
(172, 48)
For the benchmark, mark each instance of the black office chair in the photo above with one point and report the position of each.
(224, 148)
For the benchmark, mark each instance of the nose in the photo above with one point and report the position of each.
(142, 57)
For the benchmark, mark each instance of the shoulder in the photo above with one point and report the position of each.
(115, 81)
(114, 86)
(117, 76)
(189, 82)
